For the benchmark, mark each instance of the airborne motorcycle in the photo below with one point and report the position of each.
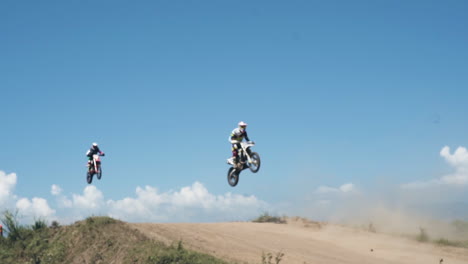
(246, 159)
(94, 168)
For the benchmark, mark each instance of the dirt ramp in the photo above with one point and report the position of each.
(244, 242)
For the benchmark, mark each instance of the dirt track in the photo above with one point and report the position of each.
(244, 242)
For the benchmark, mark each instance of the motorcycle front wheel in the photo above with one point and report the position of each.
(233, 177)
(255, 165)
(99, 173)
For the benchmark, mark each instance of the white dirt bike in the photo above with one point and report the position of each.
(246, 159)
(94, 168)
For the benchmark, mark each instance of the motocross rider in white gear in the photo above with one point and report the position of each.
(237, 135)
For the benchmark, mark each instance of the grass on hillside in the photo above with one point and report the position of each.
(267, 218)
(461, 228)
(267, 258)
(424, 237)
(94, 240)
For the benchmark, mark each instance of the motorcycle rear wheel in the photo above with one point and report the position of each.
(89, 177)
(233, 176)
(255, 165)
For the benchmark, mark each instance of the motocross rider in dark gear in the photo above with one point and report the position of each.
(93, 151)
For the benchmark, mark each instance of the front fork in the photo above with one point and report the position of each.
(247, 153)
(94, 165)
(97, 166)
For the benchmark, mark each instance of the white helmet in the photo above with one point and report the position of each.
(95, 144)
(242, 125)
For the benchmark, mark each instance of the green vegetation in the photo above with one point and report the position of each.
(39, 224)
(461, 228)
(93, 240)
(12, 227)
(152, 252)
(268, 258)
(22, 242)
(54, 224)
(267, 218)
(452, 243)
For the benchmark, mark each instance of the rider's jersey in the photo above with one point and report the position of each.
(238, 135)
(92, 151)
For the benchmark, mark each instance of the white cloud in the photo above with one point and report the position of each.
(62, 200)
(7, 184)
(55, 190)
(345, 188)
(28, 209)
(192, 203)
(188, 204)
(458, 160)
(37, 208)
(92, 199)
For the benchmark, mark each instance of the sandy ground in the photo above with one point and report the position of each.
(244, 242)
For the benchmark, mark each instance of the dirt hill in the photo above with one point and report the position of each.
(302, 242)
(105, 240)
(95, 240)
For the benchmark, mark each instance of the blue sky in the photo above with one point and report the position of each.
(343, 98)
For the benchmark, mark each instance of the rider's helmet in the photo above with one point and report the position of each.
(95, 145)
(242, 125)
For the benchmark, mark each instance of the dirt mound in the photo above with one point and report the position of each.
(94, 240)
(301, 241)
(98, 240)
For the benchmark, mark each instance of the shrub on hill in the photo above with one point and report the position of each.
(267, 218)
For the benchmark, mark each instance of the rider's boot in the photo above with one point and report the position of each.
(235, 161)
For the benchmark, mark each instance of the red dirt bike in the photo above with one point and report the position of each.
(94, 168)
